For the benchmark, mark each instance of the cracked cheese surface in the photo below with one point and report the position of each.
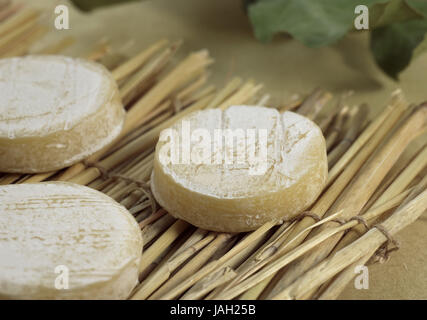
(54, 112)
(228, 196)
(47, 226)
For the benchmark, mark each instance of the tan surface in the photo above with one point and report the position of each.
(285, 67)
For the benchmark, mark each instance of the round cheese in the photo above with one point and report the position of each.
(54, 112)
(65, 241)
(234, 170)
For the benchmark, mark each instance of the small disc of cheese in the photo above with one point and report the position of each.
(266, 166)
(61, 240)
(54, 112)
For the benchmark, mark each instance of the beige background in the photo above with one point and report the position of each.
(285, 67)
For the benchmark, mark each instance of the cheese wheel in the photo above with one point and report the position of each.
(54, 112)
(268, 167)
(61, 240)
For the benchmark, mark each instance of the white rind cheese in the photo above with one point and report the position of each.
(54, 112)
(236, 196)
(56, 232)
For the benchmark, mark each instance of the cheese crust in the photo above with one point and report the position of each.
(229, 197)
(60, 240)
(54, 112)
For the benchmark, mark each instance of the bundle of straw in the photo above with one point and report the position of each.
(374, 187)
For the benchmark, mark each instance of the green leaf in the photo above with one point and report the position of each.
(313, 22)
(399, 26)
(383, 14)
(394, 46)
(418, 5)
(88, 5)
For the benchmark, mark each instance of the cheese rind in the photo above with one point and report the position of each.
(230, 197)
(56, 233)
(54, 112)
